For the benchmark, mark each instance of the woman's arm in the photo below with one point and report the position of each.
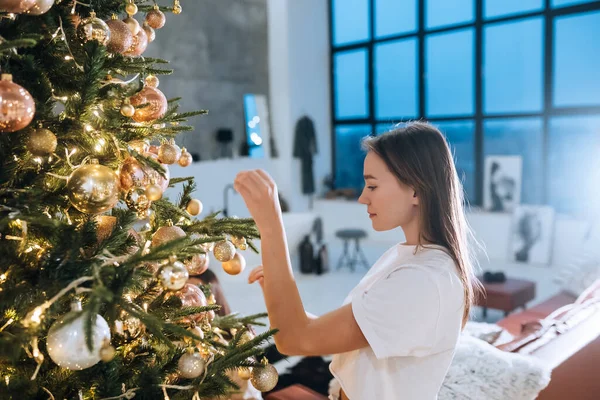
(335, 332)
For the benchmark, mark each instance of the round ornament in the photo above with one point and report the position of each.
(17, 107)
(152, 81)
(156, 18)
(154, 104)
(236, 265)
(169, 153)
(198, 264)
(40, 7)
(93, 28)
(121, 38)
(194, 207)
(150, 33)
(264, 377)
(41, 142)
(16, 6)
(224, 251)
(173, 276)
(167, 233)
(66, 342)
(140, 42)
(186, 158)
(93, 188)
(133, 25)
(191, 365)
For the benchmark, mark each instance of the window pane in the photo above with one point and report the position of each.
(396, 79)
(562, 3)
(394, 17)
(450, 75)
(349, 156)
(350, 21)
(519, 137)
(461, 138)
(577, 60)
(351, 84)
(500, 8)
(573, 164)
(513, 65)
(443, 12)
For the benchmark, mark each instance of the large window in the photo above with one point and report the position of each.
(499, 78)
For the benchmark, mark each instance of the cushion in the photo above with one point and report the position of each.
(581, 273)
(491, 333)
(481, 371)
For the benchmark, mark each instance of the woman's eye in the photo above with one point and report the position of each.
(371, 188)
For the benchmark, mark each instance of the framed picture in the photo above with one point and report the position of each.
(502, 183)
(532, 234)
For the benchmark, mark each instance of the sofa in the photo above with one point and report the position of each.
(564, 333)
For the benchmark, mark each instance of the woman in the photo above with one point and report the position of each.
(395, 335)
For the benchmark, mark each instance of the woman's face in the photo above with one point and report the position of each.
(390, 203)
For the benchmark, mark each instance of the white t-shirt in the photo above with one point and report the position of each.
(410, 308)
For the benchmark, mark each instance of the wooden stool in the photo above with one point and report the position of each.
(506, 296)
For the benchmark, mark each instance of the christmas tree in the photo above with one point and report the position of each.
(94, 263)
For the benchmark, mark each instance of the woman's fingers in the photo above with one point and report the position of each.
(256, 274)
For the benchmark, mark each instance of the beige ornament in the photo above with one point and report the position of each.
(224, 251)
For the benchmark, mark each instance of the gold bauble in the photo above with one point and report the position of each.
(121, 37)
(93, 188)
(194, 207)
(167, 233)
(173, 276)
(127, 110)
(191, 365)
(197, 264)
(154, 192)
(105, 227)
(17, 107)
(93, 29)
(239, 242)
(245, 373)
(264, 378)
(185, 159)
(131, 8)
(141, 146)
(177, 7)
(169, 153)
(154, 101)
(149, 32)
(16, 6)
(152, 81)
(137, 201)
(133, 25)
(224, 251)
(236, 265)
(156, 18)
(140, 42)
(41, 142)
(135, 175)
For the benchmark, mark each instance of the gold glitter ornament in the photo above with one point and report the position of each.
(41, 142)
(264, 377)
(156, 18)
(167, 233)
(224, 251)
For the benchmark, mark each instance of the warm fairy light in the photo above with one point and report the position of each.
(68, 58)
(38, 160)
(73, 151)
(146, 307)
(7, 379)
(3, 278)
(88, 128)
(96, 113)
(100, 145)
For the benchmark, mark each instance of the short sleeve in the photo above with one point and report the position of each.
(399, 314)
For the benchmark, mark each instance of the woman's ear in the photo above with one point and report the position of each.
(415, 199)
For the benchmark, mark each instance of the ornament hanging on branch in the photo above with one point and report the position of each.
(169, 153)
(138, 202)
(66, 342)
(135, 175)
(224, 251)
(93, 188)
(192, 296)
(140, 42)
(155, 18)
(153, 191)
(236, 265)
(191, 365)
(149, 32)
(107, 352)
(152, 81)
(141, 146)
(197, 264)
(40, 7)
(121, 39)
(177, 7)
(16, 6)
(93, 28)
(131, 9)
(17, 107)
(186, 158)
(194, 207)
(41, 142)
(173, 275)
(133, 25)
(239, 242)
(167, 233)
(264, 377)
(152, 104)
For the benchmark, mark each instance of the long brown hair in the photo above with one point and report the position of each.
(419, 156)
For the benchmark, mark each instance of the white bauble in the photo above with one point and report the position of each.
(191, 365)
(66, 340)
